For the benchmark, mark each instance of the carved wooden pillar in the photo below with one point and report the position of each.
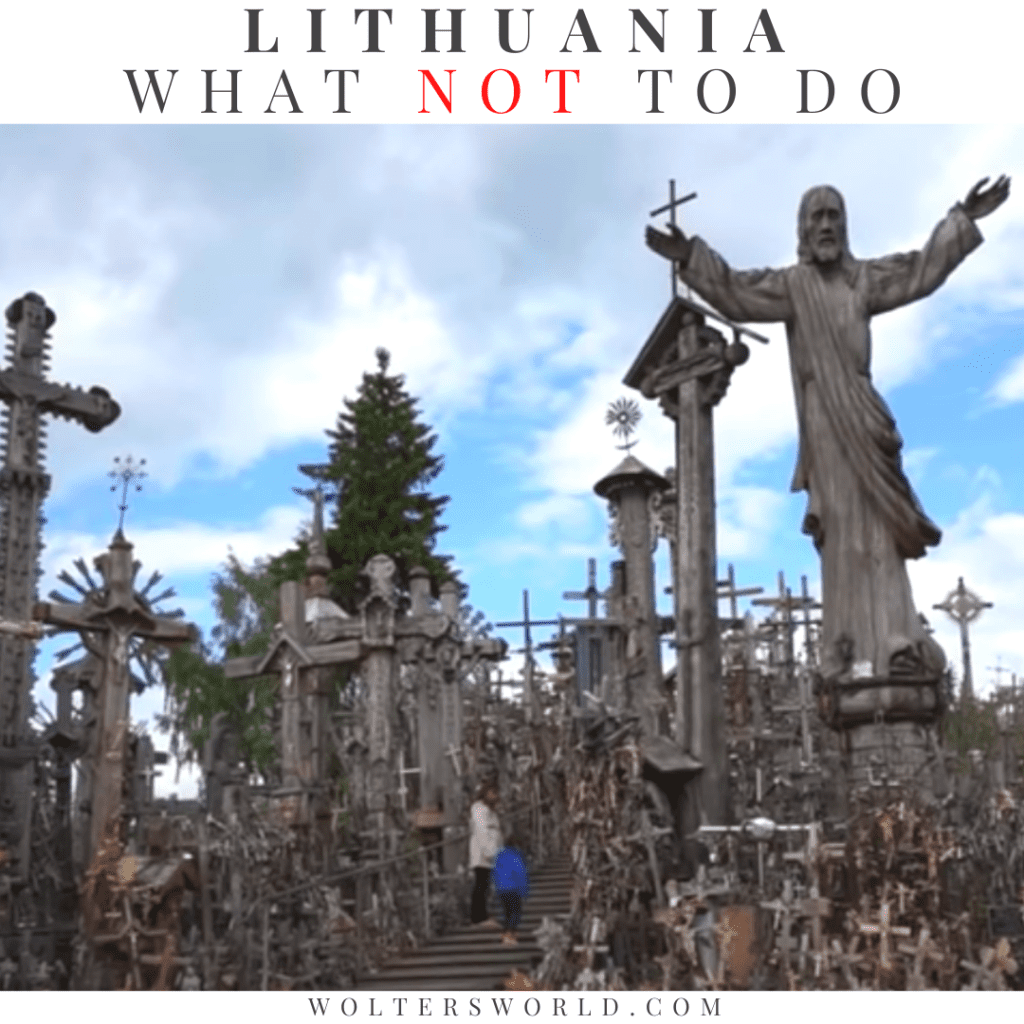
(628, 489)
(378, 619)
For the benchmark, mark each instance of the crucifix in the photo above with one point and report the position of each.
(686, 364)
(27, 397)
(963, 606)
(107, 619)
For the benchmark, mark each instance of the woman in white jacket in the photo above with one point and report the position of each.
(484, 842)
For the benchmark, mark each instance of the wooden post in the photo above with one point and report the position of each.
(687, 365)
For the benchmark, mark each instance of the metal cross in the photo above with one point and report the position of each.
(126, 474)
(670, 206)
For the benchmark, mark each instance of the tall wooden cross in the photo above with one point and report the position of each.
(687, 364)
(529, 697)
(27, 397)
(107, 619)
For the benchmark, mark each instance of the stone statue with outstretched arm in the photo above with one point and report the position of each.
(862, 513)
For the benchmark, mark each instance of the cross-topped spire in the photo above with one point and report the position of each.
(318, 563)
(670, 206)
(126, 474)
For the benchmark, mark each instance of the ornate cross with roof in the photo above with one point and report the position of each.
(687, 364)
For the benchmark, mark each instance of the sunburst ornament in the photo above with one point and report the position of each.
(622, 416)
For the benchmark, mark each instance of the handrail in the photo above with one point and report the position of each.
(365, 869)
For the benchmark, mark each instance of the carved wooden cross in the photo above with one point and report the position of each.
(106, 620)
(28, 396)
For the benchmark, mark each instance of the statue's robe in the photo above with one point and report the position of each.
(862, 513)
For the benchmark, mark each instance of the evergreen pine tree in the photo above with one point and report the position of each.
(380, 461)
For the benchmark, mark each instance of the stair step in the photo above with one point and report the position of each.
(473, 958)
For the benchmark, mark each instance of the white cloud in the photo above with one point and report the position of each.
(986, 548)
(184, 548)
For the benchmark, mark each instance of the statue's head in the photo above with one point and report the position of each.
(821, 227)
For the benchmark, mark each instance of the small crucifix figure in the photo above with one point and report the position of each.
(127, 475)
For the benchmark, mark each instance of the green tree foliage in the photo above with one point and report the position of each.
(245, 601)
(380, 461)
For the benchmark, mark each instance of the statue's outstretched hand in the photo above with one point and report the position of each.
(673, 244)
(981, 201)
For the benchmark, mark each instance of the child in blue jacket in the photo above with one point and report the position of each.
(512, 884)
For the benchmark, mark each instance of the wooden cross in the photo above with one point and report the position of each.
(453, 752)
(996, 962)
(926, 949)
(29, 396)
(782, 909)
(403, 790)
(113, 615)
(591, 595)
(847, 959)
(884, 929)
(526, 623)
(727, 589)
(529, 697)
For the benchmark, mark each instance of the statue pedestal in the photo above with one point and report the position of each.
(889, 727)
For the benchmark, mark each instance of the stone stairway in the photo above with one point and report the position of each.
(473, 959)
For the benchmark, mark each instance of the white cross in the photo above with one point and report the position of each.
(402, 772)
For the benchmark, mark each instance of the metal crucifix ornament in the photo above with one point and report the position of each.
(125, 476)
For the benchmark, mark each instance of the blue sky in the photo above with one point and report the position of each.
(228, 285)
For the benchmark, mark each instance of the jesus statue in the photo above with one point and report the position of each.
(862, 513)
